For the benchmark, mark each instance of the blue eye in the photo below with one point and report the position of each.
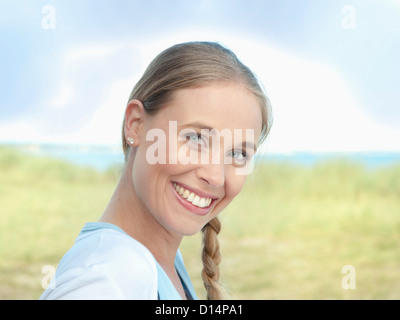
(239, 156)
(194, 138)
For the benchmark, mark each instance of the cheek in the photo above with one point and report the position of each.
(151, 180)
(234, 186)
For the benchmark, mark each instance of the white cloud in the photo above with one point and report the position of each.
(105, 125)
(20, 130)
(313, 108)
(63, 96)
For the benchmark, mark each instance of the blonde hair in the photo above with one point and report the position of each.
(194, 64)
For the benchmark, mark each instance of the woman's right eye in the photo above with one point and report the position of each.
(194, 137)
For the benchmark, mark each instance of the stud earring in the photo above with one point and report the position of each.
(130, 140)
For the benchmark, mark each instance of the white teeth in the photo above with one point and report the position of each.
(202, 202)
(196, 201)
(191, 197)
(186, 194)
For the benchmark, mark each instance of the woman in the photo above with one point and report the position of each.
(178, 177)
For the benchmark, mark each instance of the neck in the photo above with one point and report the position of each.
(129, 213)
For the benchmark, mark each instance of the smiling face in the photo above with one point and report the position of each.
(185, 195)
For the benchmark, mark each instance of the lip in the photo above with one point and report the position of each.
(196, 191)
(188, 205)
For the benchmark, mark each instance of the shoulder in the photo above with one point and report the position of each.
(105, 264)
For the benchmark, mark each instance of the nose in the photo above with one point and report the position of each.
(213, 174)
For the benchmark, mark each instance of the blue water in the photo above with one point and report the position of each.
(103, 157)
(97, 157)
(98, 160)
(368, 159)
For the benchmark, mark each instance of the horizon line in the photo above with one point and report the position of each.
(85, 146)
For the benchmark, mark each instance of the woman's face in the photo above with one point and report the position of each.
(189, 162)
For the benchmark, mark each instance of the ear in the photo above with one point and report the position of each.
(134, 116)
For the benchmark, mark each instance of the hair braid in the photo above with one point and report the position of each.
(211, 257)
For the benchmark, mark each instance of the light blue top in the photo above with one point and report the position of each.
(107, 263)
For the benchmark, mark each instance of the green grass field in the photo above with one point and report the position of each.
(286, 236)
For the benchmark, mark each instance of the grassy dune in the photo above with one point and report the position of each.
(286, 236)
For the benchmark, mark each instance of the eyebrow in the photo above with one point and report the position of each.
(198, 125)
(246, 144)
(201, 125)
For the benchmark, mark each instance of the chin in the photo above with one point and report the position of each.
(188, 229)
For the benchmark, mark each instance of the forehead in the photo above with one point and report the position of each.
(219, 106)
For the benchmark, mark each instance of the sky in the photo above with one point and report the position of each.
(330, 68)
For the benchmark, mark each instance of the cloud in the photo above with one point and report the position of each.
(313, 108)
